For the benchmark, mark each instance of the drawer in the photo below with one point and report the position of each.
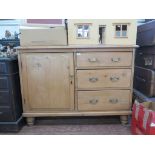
(105, 78)
(3, 68)
(4, 98)
(4, 82)
(104, 100)
(6, 115)
(101, 59)
(8, 66)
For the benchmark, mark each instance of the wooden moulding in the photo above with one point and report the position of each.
(73, 48)
(79, 113)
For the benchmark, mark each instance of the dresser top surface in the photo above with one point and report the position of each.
(77, 47)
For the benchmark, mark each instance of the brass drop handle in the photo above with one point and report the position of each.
(92, 60)
(113, 100)
(114, 78)
(93, 101)
(93, 79)
(115, 59)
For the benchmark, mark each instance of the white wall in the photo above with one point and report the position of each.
(11, 25)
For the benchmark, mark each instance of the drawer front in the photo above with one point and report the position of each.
(3, 68)
(4, 98)
(101, 59)
(8, 66)
(104, 100)
(106, 78)
(4, 82)
(6, 114)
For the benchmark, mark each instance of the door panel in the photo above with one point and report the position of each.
(49, 80)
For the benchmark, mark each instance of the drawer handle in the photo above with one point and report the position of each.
(140, 79)
(93, 79)
(93, 101)
(113, 100)
(92, 60)
(114, 78)
(115, 59)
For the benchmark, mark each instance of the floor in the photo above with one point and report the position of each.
(75, 126)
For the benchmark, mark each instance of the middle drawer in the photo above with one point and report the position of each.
(4, 98)
(104, 78)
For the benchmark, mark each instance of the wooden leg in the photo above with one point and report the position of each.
(124, 119)
(30, 121)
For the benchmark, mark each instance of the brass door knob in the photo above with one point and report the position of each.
(71, 78)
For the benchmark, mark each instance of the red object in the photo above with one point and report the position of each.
(151, 124)
(143, 120)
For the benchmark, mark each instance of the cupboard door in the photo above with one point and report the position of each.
(48, 81)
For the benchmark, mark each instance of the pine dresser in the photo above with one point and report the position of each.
(76, 81)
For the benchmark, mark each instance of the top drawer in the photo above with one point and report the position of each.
(104, 59)
(8, 66)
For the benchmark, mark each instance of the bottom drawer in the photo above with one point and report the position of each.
(104, 100)
(6, 115)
